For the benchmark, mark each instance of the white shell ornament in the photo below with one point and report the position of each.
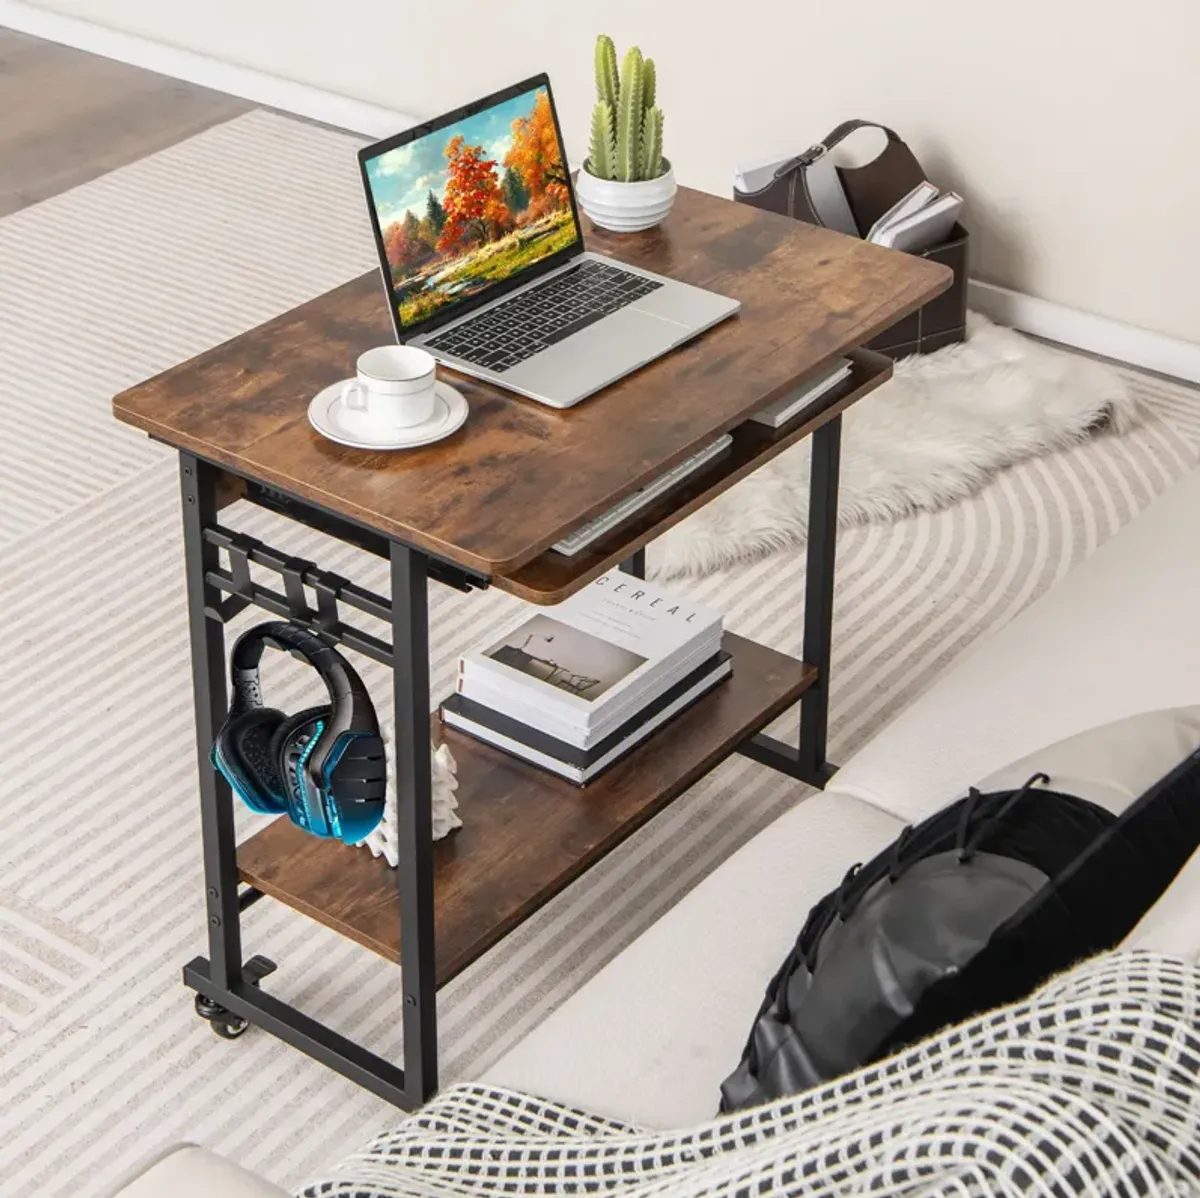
(383, 841)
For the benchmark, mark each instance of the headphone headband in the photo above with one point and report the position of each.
(340, 678)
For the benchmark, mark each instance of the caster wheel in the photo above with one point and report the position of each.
(229, 1027)
(222, 1020)
(207, 1009)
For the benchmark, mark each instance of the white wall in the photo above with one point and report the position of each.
(1070, 125)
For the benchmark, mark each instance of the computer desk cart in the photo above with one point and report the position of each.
(237, 417)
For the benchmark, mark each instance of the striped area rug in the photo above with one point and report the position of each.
(101, 1058)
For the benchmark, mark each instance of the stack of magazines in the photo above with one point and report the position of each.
(574, 688)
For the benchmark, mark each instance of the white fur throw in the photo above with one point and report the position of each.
(931, 435)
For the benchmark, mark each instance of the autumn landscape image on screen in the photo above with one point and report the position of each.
(467, 206)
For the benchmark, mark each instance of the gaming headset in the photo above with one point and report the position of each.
(323, 766)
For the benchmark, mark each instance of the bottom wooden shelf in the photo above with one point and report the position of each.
(526, 834)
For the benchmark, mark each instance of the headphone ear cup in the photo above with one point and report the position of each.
(358, 783)
(243, 753)
(287, 749)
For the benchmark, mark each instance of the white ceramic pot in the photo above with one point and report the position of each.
(625, 207)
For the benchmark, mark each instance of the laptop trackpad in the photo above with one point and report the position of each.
(597, 355)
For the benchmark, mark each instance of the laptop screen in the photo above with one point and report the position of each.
(480, 200)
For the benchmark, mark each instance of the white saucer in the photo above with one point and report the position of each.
(332, 419)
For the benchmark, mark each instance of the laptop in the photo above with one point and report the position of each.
(483, 261)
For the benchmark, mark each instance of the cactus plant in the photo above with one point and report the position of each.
(652, 134)
(602, 153)
(649, 83)
(607, 84)
(630, 116)
(625, 107)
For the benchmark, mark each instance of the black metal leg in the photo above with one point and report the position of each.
(808, 762)
(208, 681)
(410, 676)
(635, 564)
(818, 597)
(228, 990)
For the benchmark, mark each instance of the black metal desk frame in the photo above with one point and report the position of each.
(229, 992)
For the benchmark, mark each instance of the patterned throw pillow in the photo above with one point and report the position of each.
(981, 903)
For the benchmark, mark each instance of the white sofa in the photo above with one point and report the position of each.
(650, 1038)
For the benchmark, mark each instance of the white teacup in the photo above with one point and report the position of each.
(393, 387)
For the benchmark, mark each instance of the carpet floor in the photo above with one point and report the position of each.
(101, 1057)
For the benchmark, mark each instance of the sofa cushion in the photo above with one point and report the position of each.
(1116, 637)
(189, 1171)
(650, 1037)
(1112, 765)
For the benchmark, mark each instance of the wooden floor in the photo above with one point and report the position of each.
(67, 116)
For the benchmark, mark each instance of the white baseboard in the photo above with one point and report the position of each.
(255, 86)
(1067, 326)
(1086, 331)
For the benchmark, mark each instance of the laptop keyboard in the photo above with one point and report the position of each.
(534, 320)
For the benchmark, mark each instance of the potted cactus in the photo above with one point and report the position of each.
(626, 184)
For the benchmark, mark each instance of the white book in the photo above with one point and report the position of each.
(926, 228)
(614, 716)
(777, 414)
(924, 193)
(606, 642)
(583, 774)
(565, 724)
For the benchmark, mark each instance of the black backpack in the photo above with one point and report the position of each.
(974, 907)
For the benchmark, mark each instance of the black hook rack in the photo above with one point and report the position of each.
(292, 603)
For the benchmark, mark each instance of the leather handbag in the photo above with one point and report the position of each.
(804, 188)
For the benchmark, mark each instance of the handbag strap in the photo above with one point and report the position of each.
(833, 138)
(844, 130)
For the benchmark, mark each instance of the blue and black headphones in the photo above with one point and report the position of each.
(324, 766)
